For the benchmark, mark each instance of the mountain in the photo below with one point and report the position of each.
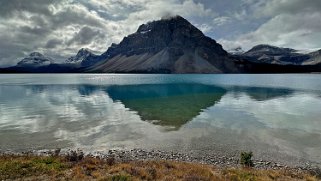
(275, 55)
(35, 59)
(272, 59)
(236, 51)
(38, 63)
(171, 45)
(84, 58)
(315, 58)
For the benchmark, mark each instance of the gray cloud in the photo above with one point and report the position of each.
(59, 28)
(291, 23)
(9, 8)
(85, 36)
(53, 43)
(274, 7)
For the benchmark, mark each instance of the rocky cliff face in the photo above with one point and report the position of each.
(170, 45)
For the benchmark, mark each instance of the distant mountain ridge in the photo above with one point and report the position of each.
(275, 55)
(271, 59)
(174, 45)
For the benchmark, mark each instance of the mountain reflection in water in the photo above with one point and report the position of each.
(167, 104)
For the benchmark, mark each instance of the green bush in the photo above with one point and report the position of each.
(246, 159)
(120, 178)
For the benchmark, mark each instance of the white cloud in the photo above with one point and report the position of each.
(293, 23)
(205, 28)
(221, 20)
(61, 28)
(275, 7)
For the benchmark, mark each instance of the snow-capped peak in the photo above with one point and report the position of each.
(82, 55)
(35, 59)
(236, 51)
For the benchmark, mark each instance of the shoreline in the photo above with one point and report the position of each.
(122, 156)
(135, 165)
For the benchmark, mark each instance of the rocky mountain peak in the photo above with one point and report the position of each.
(35, 59)
(171, 44)
(173, 23)
(84, 51)
(275, 55)
(174, 33)
(84, 57)
(269, 49)
(236, 51)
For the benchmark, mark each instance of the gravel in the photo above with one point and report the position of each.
(231, 161)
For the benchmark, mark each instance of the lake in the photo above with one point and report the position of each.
(275, 116)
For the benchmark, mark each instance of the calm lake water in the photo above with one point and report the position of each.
(275, 116)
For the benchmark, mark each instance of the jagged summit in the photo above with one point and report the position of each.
(171, 23)
(82, 54)
(84, 50)
(84, 58)
(170, 16)
(168, 45)
(35, 59)
(157, 35)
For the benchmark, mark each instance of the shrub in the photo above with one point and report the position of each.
(119, 178)
(246, 159)
(111, 161)
(75, 156)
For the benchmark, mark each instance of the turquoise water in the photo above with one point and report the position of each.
(275, 116)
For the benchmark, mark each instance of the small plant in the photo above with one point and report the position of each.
(246, 159)
(75, 156)
(57, 152)
(119, 178)
(111, 161)
(152, 172)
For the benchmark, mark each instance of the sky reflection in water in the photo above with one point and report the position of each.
(173, 113)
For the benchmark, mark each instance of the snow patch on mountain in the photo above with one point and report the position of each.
(82, 55)
(35, 59)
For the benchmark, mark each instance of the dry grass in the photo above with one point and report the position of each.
(61, 168)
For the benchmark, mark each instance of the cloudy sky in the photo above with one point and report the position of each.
(59, 28)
